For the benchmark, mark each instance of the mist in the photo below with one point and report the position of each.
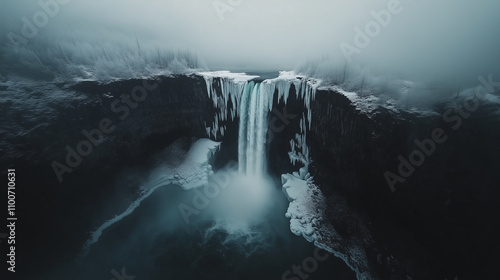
(447, 40)
(235, 217)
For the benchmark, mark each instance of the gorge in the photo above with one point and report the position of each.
(329, 148)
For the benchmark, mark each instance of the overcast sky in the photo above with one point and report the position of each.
(455, 40)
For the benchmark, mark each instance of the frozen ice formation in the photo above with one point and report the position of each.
(307, 204)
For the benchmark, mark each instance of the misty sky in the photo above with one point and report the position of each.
(428, 40)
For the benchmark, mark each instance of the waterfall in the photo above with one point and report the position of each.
(253, 113)
(252, 102)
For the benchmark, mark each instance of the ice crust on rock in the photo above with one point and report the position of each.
(369, 104)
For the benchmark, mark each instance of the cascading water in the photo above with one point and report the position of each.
(253, 113)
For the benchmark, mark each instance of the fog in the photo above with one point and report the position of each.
(234, 216)
(447, 41)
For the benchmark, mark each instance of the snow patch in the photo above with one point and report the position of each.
(306, 207)
(369, 104)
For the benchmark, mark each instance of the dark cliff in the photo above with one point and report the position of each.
(440, 220)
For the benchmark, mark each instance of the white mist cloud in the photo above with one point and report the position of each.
(454, 40)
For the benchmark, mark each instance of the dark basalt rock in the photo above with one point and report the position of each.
(444, 212)
(439, 223)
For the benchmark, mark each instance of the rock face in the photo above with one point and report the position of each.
(435, 220)
(177, 106)
(436, 224)
(41, 121)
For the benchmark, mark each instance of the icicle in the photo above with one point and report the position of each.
(208, 82)
(287, 91)
(214, 132)
(298, 88)
(272, 90)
